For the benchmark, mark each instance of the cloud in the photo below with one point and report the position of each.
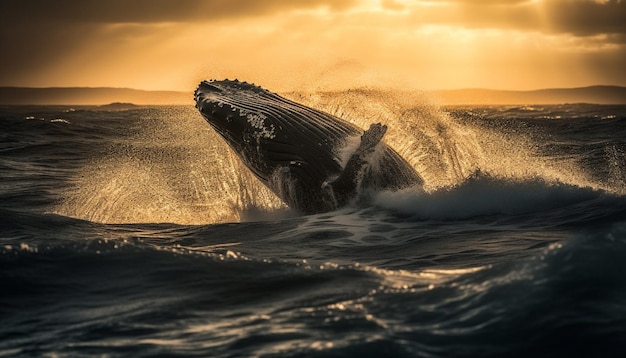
(38, 35)
(586, 17)
(443, 43)
(145, 11)
(577, 17)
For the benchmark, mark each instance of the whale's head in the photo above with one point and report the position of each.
(271, 133)
(265, 130)
(238, 112)
(235, 110)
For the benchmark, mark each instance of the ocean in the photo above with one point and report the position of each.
(137, 233)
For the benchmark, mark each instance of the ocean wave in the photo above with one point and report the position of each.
(157, 293)
(482, 195)
(523, 258)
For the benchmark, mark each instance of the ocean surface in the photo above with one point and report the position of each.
(137, 233)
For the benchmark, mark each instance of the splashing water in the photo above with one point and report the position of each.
(446, 150)
(172, 167)
(441, 150)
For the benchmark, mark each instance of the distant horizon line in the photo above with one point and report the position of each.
(596, 94)
(331, 90)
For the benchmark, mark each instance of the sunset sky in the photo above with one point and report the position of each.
(313, 44)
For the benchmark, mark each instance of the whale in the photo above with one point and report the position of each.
(299, 152)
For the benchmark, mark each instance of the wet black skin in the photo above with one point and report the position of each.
(293, 149)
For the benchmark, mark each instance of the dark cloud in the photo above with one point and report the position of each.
(29, 50)
(35, 35)
(120, 11)
(38, 37)
(576, 17)
(586, 17)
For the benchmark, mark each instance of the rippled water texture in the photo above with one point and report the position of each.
(138, 233)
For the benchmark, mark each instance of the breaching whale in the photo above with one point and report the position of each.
(294, 149)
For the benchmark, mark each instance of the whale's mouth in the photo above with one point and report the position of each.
(207, 97)
(229, 87)
(212, 100)
(227, 100)
(240, 107)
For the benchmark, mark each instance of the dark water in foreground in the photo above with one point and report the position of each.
(135, 233)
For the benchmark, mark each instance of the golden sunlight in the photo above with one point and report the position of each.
(500, 44)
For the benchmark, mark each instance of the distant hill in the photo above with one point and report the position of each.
(89, 96)
(593, 94)
(105, 95)
(118, 106)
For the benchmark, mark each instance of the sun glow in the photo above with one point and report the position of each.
(322, 44)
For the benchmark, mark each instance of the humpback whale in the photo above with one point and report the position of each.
(295, 150)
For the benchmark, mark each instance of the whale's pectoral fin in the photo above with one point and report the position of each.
(345, 186)
(370, 139)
